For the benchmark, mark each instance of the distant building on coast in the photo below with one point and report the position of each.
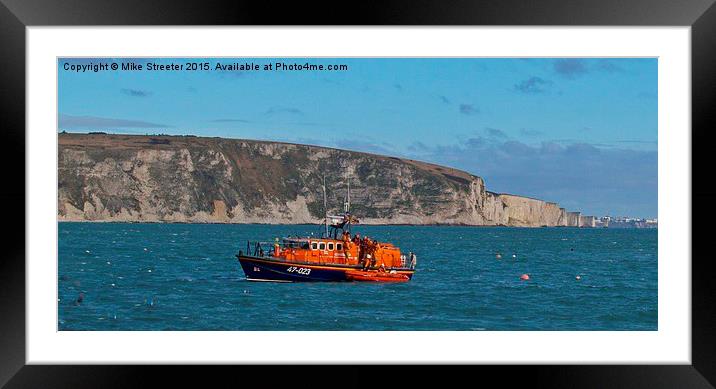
(584, 221)
(631, 222)
(602, 222)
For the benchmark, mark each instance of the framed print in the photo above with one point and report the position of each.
(476, 184)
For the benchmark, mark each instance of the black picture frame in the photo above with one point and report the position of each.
(16, 15)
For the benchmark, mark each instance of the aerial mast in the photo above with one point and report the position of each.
(347, 202)
(325, 206)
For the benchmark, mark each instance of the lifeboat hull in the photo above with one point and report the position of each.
(270, 269)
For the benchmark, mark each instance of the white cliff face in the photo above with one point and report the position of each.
(189, 179)
(523, 211)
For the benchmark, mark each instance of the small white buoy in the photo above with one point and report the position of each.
(149, 271)
(578, 278)
(514, 256)
(145, 249)
(87, 251)
(498, 256)
(109, 263)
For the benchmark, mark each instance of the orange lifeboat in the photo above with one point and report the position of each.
(334, 256)
(375, 276)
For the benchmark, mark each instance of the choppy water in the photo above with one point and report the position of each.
(185, 277)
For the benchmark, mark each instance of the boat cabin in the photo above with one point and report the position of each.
(336, 251)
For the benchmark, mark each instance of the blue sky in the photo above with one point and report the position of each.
(581, 132)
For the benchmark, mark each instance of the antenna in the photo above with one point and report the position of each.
(347, 203)
(325, 205)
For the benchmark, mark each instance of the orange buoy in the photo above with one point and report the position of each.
(524, 277)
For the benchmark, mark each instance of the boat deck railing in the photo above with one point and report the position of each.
(256, 249)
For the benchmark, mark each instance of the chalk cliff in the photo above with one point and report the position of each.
(192, 179)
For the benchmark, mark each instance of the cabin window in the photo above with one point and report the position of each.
(314, 246)
(322, 246)
(304, 245)
(339, 246)
(330, 246)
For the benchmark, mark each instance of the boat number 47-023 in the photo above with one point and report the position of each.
(299, 270)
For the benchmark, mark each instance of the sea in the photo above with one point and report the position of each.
(169, 277)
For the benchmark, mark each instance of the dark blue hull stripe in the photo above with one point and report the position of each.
(266, 270)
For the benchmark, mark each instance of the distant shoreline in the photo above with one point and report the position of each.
(358, 225)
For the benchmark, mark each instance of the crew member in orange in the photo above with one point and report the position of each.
(346, 244)
(368, 252)
(373, 247)
(364, 253)
(359, 242)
